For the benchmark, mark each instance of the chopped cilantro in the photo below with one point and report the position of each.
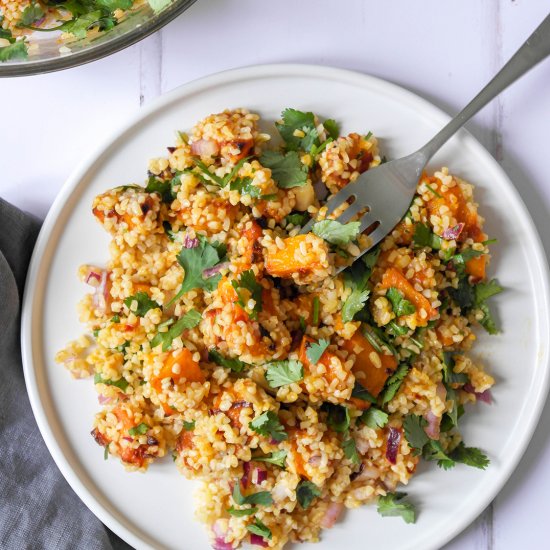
(355, 302)
(396, 330)
(245, 187)
(392, 505)
(241, 513)
(161, 187)
(359, 392)
(140, 429)
(95, 332)
(374, 418)
(394, 383)
(306, 492)
(463, 295)
(331, 127)
(236, 365)
(449, 376)
(338, 418)
(32, 13)
(115, 318)
(190, 320)
(335, 232)
(143, 303)
(213, 178)
(298, 130)
(168, 230)
(400, 305)
(15, 50)
(413, 426)
(424, 236)
(268, 424)
(280, 373)
(262, 498)
(194, 262)
(247, 281)
(315, 350)
(433, 191)
(121, 383)
(286, 168)
(471, 456)
(315, 312)
(350, 450)
(188, 426)
(277, 458)
(368, 135)
(298, 218)
(260, 529)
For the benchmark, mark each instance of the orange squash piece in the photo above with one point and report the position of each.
(283, 262)
(394, 278)
(189, 369)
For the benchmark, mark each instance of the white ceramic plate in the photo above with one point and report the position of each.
(156, 509)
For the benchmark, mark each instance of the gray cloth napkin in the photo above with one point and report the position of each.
(38, 509)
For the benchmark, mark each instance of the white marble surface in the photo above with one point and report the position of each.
(442, 50)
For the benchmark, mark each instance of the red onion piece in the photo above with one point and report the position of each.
(432, 429)
(213, 270)
(315, 460)
(39, 22)
(261, 475)
(257, 540)
(219, 528)
(484, 396)
(392, 445)
(127, 438)
(204, 148)
(452, 233)
(220, 544)
(99, 299)
(93, 278)
(245, 480)
(331, 515)
(190, 242)
(103, 400)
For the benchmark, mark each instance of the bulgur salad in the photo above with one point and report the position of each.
(224, 338)
(73, 19)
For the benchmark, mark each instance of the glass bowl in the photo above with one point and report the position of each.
(48, 54)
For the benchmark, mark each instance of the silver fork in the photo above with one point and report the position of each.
(387, 190)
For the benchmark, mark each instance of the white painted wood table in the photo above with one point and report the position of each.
(442, 50)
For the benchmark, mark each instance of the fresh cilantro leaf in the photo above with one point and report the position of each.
(374, 418)
(247, 281)
(260, 529)
(450, 419)
(188, 426)
(484, 291)
(433, 191)
(399, 304)
(32, 13)
(471, 456)
(241, 513)
(315, 350)
(210, 177)
(245, 187)
(298, 218)
(286, 168)
(463, 295)
(434, 451)
(449, 376)
(315, 312)
(143, 303)
(359, 392)
(162, 188)
(396, 330)
(262, 498)
(280, 373)
(331, 127)
(394, 383)
(350, 450)
(338, 418)
(140, 429)
(306, 492)
(413, 426)
(195, 261)
(168, 230)
(459, 260)
(268, 424)
(115, 318)
(236, 365)
(16, 50)
(424, 236)
(121, 383)
(355, 302)
(6, 33)
(298, 130)
(335, 232)
(277, 458)
(391, 505)
(190, 320)
(487, 321)
(80, 26)
(112, 5)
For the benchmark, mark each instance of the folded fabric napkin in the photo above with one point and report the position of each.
(38, 509)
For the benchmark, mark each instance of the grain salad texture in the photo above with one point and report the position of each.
(220, 335)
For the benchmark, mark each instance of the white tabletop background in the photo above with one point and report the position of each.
(444, 50)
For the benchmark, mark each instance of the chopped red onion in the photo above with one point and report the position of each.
(220, 544)
(392, 445)
(257, 540)
(452, 233)
(261, 475)
(127, 438)
(432, 429)
(219, 528)
(245, 480)
(190, 242)
(204, 148)
(93, 278)
(213, 270)
(103, 400)
(331, 515)
(99, 299)
(484, 396)
(315, 460)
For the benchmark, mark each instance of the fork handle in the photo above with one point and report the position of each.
(535, 49)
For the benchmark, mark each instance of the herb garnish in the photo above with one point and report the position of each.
(190, 320)
(277, 458)
(390, 505)
(236, 365)
(121, 383)
(336, 233)
(143, 303)
(268, 424)
(315, 350)
(286, 168)
(281, 373)
(306, 492)
(247, 281)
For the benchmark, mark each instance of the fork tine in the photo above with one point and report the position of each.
(350, 211)
(367, 220)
